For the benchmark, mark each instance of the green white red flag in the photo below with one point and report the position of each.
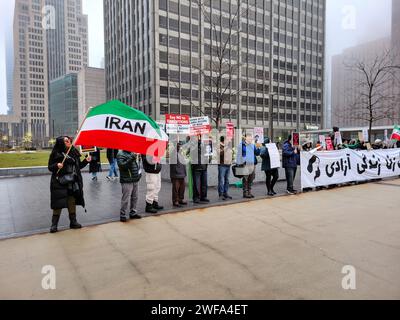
(116, 125)
(396, 133)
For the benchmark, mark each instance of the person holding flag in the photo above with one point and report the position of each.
(66, 186)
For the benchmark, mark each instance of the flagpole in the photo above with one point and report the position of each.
(76, 137)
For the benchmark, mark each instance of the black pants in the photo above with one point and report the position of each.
(272, 177)
(199, 184)
(290, 176)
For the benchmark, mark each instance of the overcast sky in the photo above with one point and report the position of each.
(349, 22)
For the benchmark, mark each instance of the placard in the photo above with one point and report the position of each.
(230, 130)
(274, 155)
(296, 139)
(200, 126)
(177, 124)
(258, 135)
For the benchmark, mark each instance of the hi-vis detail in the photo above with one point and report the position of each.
(115, 125)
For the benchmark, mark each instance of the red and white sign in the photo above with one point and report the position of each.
(230, 130)
(200, 126)
(177, 124)
(329, 144)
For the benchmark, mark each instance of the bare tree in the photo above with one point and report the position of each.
(220, 75)
(375, 89)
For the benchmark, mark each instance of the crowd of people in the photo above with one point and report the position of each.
(66, 186)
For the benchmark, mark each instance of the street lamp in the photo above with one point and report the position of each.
(271, 118)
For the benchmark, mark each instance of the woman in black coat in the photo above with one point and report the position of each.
(66, 186)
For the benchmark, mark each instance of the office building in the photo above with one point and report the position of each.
(161, 57)
(67, 42)
(91, 90)
(63, 105)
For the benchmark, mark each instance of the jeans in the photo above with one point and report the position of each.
(223, 179)
(200, 185)
(129, 198)
(290, 176)
(113, 169)
(272, 177)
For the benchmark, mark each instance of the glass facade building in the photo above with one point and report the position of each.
(174, 56)
(63, 105)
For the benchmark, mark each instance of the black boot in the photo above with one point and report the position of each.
(150, 208)
(73, 223)
(54, 224)
(157, 206)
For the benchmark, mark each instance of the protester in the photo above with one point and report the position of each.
(199, 166)
(178, 175)
(152, 167)
(66, 186)
(129, 178)
(112, 160)
(271, 175)
(289, 159)
(224, 168)
(378, 144)
(247, 156)
(95, 164)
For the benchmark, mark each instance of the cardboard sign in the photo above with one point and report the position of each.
(87, 149)
(230, 130)
(329, 144)
(258, 135)
(296, 139)
(274, 155)
(177, 124)
(199, 126)
(338, 138)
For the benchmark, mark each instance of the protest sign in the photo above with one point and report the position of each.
(338, 138)
(200, 126)
(329, 144)
(365, 135)
(230, 130)
(177, 124)
(341, 166)
(296, 139)
(87, 149)
(258, 135)
(274, 155)
(322, 140)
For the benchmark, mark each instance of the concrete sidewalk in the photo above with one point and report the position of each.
(283, 248)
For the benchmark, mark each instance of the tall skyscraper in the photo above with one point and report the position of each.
(162, 56)
(30, 101)
(396, 24)
(67, 43)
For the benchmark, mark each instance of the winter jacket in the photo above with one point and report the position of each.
(289, 158)
(59, 193)
(150, 166)
(199, 160)
(247, 154)
(178, 169)
(95, 164)
(266, 160)
(128, 167)
(225, 154)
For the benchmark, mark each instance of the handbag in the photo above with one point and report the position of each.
(68, 178)
(237, 170)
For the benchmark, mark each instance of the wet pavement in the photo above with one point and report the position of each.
(25, 202)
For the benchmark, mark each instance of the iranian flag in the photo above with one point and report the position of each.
(115, 125)
(396, 133)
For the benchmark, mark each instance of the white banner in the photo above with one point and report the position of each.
(341, 166)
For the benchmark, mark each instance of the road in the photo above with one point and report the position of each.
(25, 202)
(281, 248)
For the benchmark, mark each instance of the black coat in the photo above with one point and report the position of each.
(177, 170)
(150, 166)
(95, 164)
(59, 193)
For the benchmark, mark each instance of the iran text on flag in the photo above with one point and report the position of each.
(115, 125)
(396, 133)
